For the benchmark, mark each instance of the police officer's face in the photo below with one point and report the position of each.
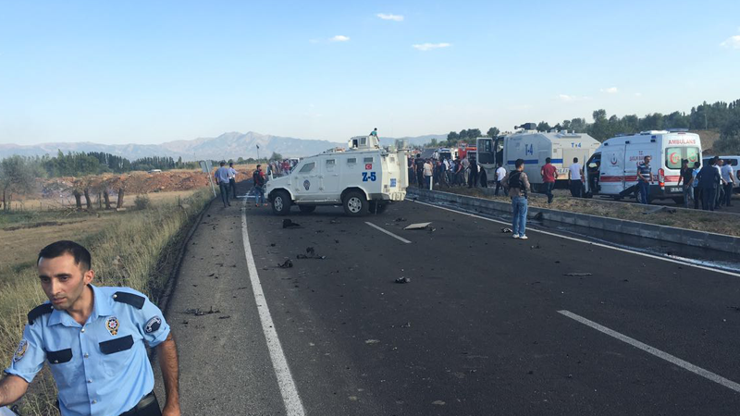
(63, 281)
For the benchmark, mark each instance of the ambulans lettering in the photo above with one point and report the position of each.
(681, 141)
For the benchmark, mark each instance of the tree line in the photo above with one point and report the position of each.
(719, 116)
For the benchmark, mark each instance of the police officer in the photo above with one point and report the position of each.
(94, 341)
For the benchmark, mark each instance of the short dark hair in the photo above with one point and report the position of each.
(519, 163)
(697, 164)
(223, 163)
(548, 160)
(575, 160)
(59, 248)
(231, 163)
(259, 166)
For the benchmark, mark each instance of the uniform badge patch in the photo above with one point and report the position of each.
(21, 351)
(112, 325)
(153, 325)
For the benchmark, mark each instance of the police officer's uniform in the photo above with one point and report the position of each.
(100, 368)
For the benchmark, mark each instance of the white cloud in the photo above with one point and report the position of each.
(394, 17)
(612, 90)
(339, 38)
(732, 42)
(572, 98)
(429, 46)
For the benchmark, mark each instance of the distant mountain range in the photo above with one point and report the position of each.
(226, 146)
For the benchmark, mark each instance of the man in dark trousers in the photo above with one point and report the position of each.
(94, 339)
(473, 177)
(419, 166)
(259, 186)
(232, 179)
(709, 178)
(222, 179)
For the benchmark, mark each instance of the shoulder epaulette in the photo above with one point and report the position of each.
(134, 300)
(39, 311)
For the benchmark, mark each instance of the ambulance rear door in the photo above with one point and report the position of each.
(611, 171)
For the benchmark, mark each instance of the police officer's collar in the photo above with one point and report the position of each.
(102, 306)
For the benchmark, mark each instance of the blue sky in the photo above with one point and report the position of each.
(155, 71)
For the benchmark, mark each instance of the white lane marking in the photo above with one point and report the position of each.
(652, 256)
(388, 232)
(293, 404)
(656, 352)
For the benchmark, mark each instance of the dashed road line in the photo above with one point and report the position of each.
(654, 351)
(388, 232)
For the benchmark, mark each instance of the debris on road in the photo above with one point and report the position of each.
(418, 226)
(506, 230)
(400, 219)
(372, 341)
(311, 254)
(288, 223)
(334, 221)
(287, 264)
(198, 312)
(577, 274)
(224, 317)
(439, 403)
(403, 280)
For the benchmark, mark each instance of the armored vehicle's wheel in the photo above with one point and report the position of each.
(378, 207)
(355, 204)
(281, 203)
(307, 209)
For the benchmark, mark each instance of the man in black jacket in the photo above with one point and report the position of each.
(709, 179)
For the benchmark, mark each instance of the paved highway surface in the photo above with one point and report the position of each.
(488, 324)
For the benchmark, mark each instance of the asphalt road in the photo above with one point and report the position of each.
(477, 331)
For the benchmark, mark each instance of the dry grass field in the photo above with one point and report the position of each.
(129, 248)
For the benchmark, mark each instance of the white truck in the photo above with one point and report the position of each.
(364, 178)
(533, 147)
(612, 170)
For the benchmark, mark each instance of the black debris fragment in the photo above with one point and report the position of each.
(400, 219)
(288, 223)
(577, 274)
(287, 264)
(403, 280)
(224, 317)
(506, 230)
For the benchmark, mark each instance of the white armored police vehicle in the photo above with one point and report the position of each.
(534, 147)
(364, 178)
(612, 170)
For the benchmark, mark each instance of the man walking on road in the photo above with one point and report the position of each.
(500, 175)
(232, 179)
(575, 178)
(518, 184)
(222, 179)
(549, 174)
(258, 177)
(94, 339)
(728, 176)
(644, 179)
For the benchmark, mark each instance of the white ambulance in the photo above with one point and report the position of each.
(534, 147)
(364, 178)
(612, 170)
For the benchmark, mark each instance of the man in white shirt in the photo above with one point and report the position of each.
(728, 176)
(575, 178)
(500, 174)
(232, 179)
(428, 171)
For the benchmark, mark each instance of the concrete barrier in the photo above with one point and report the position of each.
(683, 236)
